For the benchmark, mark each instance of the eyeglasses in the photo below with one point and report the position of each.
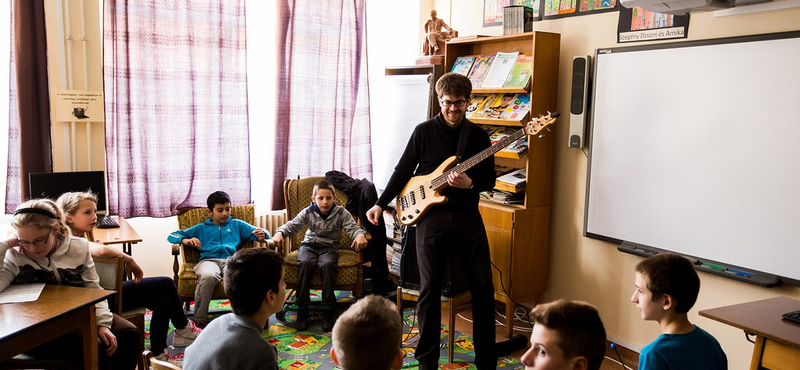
(457, 103)
(26, 244)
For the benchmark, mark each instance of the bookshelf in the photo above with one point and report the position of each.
(519, 234)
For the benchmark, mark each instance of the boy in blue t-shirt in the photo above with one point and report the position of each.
(666, 288)
(218, 238)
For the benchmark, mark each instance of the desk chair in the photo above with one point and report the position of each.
(350, 277)
(151, 363)
(183, 272)
(111, 273)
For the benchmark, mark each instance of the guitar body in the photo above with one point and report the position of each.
(418, 195)
(422, 192)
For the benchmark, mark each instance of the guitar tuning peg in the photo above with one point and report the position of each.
(541, 136)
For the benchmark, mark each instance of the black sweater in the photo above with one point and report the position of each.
(431, 143)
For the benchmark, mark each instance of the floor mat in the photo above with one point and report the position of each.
(310, 349)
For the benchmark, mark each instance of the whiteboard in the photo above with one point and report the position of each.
(695, 148)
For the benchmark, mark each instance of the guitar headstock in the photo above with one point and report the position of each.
(535, 126)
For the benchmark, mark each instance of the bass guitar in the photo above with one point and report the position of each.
(423, 192)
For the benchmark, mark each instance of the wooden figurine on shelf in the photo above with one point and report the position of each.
(434, 37)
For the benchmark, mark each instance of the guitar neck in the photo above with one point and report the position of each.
(441, 180)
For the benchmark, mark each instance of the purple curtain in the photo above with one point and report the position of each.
(29, 121)
(323, 118)
(176, 104)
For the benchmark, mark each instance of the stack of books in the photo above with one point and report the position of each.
(517, 19)
(512, 182)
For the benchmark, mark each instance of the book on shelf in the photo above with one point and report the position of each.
(479, 69)
(515, 149)
(496, 107)
(462, 65)
(500, 133)
(489, 129)
(520, 74)
(480, 110)
(476, 102)
(503, 197)
(512, 182)
(498, 71)
(500, 170)
(518, 108)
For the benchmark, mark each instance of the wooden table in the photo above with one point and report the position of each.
(777, 341)
(59, 310)
(124, 234)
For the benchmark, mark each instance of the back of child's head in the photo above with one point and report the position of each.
(41, 214)
(71, 202)
(217, 197)
(453, 84)
(367, 336)
(323, 184)
(249, 274)
(578, 327)
(669, 273)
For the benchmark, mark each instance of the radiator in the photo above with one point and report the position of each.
(271, 220)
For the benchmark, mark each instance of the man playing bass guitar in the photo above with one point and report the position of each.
(453, 229)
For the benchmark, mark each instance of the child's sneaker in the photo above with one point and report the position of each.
(187, 335)
(167, 358)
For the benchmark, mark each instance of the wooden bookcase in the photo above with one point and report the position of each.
(519, 235)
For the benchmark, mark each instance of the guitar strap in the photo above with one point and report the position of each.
(462, 141)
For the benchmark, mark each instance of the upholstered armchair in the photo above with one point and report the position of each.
(186, 258)
(297, 194)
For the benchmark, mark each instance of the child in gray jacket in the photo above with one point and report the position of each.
(325, 220)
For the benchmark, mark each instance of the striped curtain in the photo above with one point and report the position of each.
(176, 104)
(322, 121)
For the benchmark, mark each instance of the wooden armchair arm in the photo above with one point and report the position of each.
(176, 251)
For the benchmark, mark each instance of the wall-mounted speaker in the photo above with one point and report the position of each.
(579, 100)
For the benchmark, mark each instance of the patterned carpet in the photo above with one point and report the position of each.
(309, 350)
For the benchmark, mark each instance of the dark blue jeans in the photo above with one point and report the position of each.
(440, 235)
(159, 295)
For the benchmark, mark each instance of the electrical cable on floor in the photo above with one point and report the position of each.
(502, 286)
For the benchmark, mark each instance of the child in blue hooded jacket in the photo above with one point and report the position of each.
(218, 238)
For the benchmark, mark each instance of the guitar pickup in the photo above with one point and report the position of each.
(413, 198)
(422, 192)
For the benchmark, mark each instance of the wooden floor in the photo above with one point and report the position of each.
(611, 362)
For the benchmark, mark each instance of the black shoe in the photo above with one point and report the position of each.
(302, 320)
(328, 320)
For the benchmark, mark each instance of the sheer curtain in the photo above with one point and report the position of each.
(323, 101)
(176, 104)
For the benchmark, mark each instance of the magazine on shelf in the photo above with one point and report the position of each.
(479, 69)
(480, 111)
(503, 197)
(518, 108)
(462, 65)
(498, 71)
(513, 181)
(489, 129)
(475, 104)
(500, 133)
(500, 103)
(520, 74)
(518, 147)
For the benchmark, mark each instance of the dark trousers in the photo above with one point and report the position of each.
(70, 347)
(159, 295)
(311, 257)
(461, 234)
